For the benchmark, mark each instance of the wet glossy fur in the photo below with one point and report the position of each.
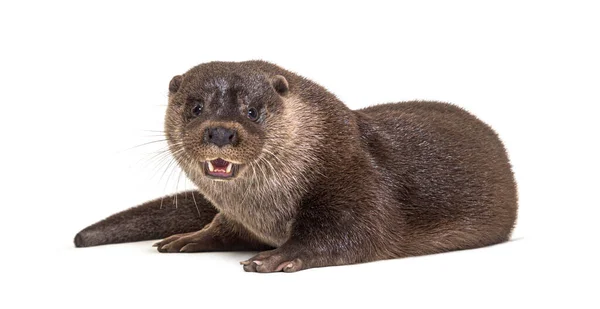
(324, 185)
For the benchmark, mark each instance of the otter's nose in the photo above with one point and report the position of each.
(220, 136)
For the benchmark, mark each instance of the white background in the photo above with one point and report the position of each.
(80, 84)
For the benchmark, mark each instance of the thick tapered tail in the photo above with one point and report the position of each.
(156, 219)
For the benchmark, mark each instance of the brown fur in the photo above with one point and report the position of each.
(324, 185)
(151, 220)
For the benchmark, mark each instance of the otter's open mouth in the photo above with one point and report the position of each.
(220, 169)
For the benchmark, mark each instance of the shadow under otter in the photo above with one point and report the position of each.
(282, 165)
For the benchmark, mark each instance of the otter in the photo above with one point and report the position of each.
(283, 167)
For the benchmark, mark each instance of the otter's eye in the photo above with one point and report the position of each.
(252, 113)
(197, 108)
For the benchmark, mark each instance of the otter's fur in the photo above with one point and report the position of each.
(320, 184)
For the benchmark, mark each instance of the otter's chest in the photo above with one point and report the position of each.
(268, 228)
(268, 217)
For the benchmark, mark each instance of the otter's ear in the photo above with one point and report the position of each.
(175, 83)
(280, 84)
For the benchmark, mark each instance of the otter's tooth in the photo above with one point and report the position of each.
(228, 170)
(210, 166)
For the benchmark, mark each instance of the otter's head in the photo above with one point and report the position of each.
(219, 115)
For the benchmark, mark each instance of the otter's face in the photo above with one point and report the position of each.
(217, 121)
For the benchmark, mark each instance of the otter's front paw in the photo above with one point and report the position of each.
(187, 242)
(280, 259)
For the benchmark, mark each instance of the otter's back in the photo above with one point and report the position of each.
(445, 167)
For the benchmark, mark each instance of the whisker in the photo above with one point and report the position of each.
(150, 142)
(171, 161)
(161, 160)
(197, 209)
(177, 187)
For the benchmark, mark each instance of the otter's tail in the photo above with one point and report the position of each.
(152, 220)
